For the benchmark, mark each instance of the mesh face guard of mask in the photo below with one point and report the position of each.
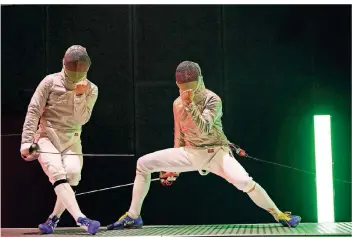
(188, 72)
(76, 63)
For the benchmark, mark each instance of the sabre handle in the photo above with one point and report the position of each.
(168, 178)
(33, 153)
(238, 150)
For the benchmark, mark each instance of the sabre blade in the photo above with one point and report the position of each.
(109, 188)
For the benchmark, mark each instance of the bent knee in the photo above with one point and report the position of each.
(73, 173)
(73, 170)
(56, 177)
(245, 183)
(55, 174)
(250, 186)
(74, 178)
(145, 165)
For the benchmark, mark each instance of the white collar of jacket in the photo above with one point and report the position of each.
(67, 83)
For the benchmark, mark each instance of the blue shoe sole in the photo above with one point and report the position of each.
(123, 227)
(93, 228)
(290, 224)
(296, 224)
(45, 230)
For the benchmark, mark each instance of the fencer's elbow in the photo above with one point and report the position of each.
(33, 112)
(177, 142)
(178, 145)
(81, 120)
(81, 116)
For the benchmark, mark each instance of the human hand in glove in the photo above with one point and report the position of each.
(31, 153)
(237, 149)
(25, 153)
(187, 97)
(81, 87)
(168, 178)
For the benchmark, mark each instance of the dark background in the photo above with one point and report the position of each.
(274, 67)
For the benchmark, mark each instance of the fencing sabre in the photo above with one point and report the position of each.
(242, 153)
(34, 152)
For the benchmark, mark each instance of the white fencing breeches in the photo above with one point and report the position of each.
(63, 166)
(217, 160)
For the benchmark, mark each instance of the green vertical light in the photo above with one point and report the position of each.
(323, 166)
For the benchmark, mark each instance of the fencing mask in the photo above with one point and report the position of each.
(76, 63)
(188, 75)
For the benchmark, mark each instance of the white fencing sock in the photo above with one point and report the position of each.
(262, 199)
(140, 190)
(65, 193)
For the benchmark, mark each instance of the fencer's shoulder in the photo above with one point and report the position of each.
(54, 77)
(177, 102)
(92, 85)
(49, 79)
(212, 95)
(177, 105)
